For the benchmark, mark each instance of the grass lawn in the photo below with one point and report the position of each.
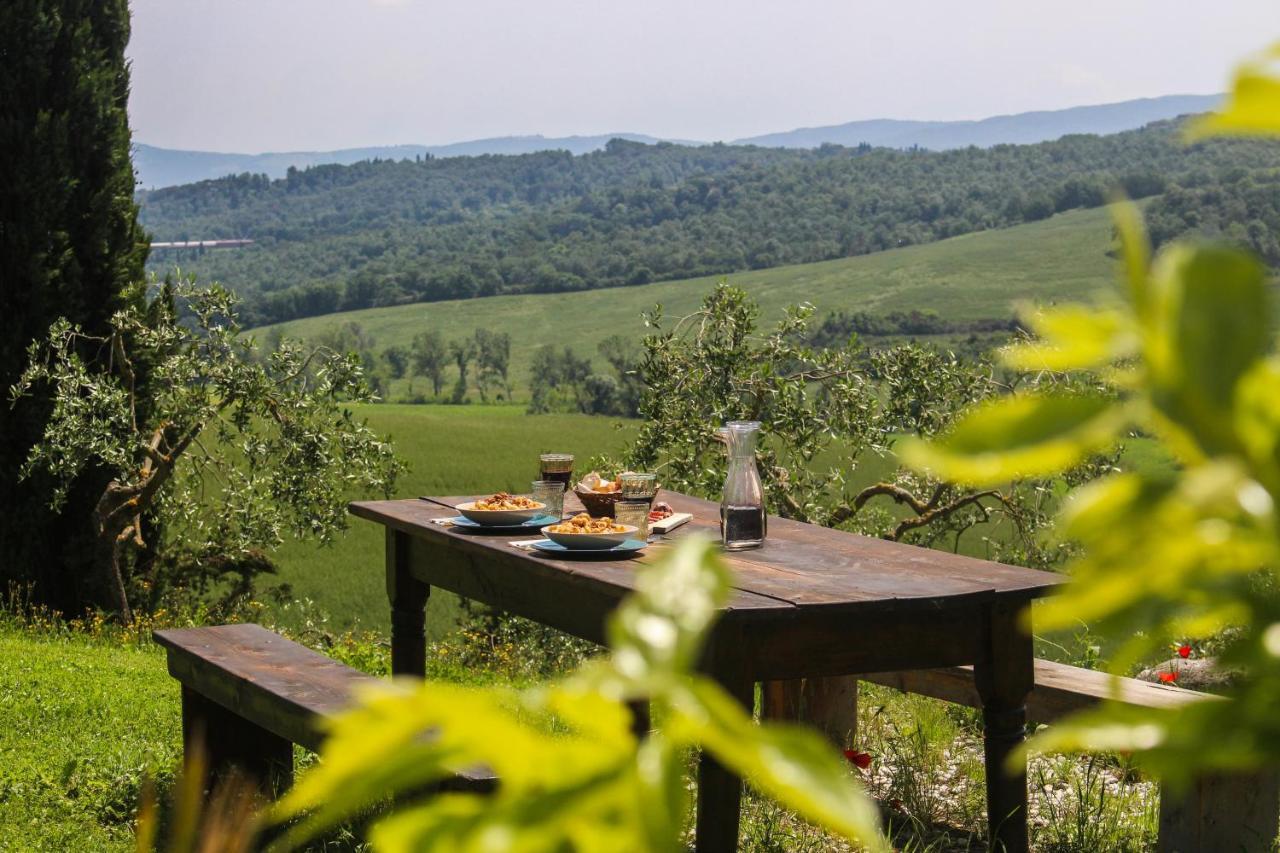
(975, 276)
(80, 723)
(450, 450)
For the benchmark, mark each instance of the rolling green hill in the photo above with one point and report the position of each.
(972, 277)
(336, 238)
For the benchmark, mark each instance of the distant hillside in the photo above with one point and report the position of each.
(166, 167)
(1019, 129)
(964, 279)
(335, 238)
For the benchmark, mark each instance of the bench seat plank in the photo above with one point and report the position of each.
(265, 692)
(1060, 689)
(273, 682)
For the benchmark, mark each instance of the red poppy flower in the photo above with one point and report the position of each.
(1168, 677)
(861, 760)
(1184, 651)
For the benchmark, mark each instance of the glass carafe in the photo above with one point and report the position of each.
(742, 513)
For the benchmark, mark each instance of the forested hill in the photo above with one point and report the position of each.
(380, 233)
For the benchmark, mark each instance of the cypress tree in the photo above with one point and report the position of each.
(70, 246)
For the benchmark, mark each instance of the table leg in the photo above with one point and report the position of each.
(408, 597)
(1003, 680)
(719, 790)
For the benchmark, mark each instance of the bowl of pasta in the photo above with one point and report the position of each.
(501, 510)
(582, 532)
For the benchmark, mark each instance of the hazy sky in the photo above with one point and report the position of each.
(257, 75)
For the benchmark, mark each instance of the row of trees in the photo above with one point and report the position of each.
(837, 327)
(481, 360)
(563, 381)
(488, 352)
(389, 233)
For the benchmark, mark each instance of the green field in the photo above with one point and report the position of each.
(450, 449)
(973, 277)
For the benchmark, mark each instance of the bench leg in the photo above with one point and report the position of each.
(1221, 812)
(1003, 680)
(228, 741)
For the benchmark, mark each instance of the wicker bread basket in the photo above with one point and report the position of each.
(600, 504)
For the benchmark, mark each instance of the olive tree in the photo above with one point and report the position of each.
(231, 449)
(825, 413)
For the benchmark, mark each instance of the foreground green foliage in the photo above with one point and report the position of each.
(1190, 554)
(337, 238)
(591, 785)
(1187, 554)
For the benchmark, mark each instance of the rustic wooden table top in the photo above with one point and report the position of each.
(801, 567)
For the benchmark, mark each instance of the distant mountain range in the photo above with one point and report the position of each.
(165, 167)
(1019, 129)
(162, 167)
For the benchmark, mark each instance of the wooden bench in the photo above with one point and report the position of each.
(1220, 813)
(249, 694)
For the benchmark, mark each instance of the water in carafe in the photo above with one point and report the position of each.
(743, 523)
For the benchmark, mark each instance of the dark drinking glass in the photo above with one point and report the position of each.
(558, 467)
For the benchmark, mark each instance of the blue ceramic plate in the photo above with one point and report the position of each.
(536, 523)
(628, 546)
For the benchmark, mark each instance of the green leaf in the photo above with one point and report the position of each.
(1253, 106)
(664, 799)
(794, 765)
(1210, 325)
(1135, 249)
(1018, 436)
(399, 739)
(1257, 413)
(659, 629)
(1073, 337)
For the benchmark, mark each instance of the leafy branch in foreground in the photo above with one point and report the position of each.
(1191, 553)
(572, 774)
(1188, 553)
(231, 449)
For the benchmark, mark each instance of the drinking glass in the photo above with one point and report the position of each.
(556, 466)
(639, 487)
(634, 513)
(551, 493)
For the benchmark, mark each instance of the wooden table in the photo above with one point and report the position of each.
(811, 602)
